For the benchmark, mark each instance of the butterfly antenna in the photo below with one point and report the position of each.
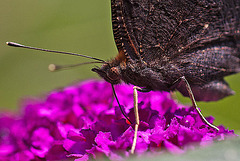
(54, 67)
(52, 51)
(123, 112)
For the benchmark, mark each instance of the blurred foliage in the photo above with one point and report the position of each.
(77, 26)
(228, 150)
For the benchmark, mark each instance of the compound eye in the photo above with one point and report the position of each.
(113, 73)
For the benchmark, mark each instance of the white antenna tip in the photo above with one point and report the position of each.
(14, 44)
(52, 67)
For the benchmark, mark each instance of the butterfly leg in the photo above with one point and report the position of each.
(184, 80)
(135, 96)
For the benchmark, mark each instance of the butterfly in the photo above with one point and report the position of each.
(167, 45)
(161, 41)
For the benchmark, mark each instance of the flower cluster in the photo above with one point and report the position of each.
(84, 122)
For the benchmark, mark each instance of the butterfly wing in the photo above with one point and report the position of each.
(196, 39)
(180, 32)
(169, 28)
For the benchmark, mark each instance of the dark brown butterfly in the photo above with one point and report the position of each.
(161, 41)
(184, 45)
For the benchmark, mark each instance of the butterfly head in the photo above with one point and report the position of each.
(110, 73)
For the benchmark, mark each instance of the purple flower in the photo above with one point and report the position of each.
(84, 122)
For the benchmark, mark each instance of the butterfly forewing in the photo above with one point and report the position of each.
(174, 38)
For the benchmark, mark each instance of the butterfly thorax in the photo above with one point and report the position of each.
(121, 69)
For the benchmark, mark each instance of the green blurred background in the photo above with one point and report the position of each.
(78, 26)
